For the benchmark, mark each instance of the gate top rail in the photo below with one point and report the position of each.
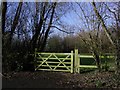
(53, 53)
(91, 56)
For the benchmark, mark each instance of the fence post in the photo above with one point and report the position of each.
(76, 62)
(72, 62)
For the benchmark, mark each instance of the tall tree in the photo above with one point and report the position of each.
(15, 20)
(4, 10)
(90, 35)
(114, 42)
(43, 25)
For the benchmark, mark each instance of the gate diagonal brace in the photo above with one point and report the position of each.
(61, 62)
(44, 61)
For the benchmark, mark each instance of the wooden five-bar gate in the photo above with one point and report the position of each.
(66, 62)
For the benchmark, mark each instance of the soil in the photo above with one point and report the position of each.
(43, 79)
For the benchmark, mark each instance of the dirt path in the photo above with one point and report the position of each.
(59, 80)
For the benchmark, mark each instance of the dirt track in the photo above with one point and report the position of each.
(59, 80)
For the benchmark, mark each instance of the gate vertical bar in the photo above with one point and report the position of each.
(72, 69)
(76, 62)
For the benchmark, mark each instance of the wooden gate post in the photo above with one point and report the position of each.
(76, 62)
(72, 68)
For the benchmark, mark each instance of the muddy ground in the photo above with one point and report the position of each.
(42, 79)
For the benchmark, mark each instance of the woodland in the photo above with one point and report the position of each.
(59, 27)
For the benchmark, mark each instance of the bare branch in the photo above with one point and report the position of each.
(61, 30)
(103, 24)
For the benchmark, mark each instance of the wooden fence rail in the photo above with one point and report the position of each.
(65, 62)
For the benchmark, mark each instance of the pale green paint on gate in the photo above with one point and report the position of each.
(66, 62)
(54, 61)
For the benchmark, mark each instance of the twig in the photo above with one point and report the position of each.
(62, 30)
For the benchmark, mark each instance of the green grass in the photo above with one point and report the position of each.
(87, 61)
(90, 61)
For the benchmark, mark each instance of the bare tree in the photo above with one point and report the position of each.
(15, 21)
(43, 25)
(114, 42)
(7, 37)
(90, 36)
(4, 10)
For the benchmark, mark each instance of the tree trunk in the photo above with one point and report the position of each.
(97, 59)
(115, 44)
(38, 28)
(118, 59)
(118, 42)
(49, 26)
(4, 10)
(118, 52)
(15, 21)
(103, 24)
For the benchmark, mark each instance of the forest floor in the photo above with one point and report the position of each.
(42, 79)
